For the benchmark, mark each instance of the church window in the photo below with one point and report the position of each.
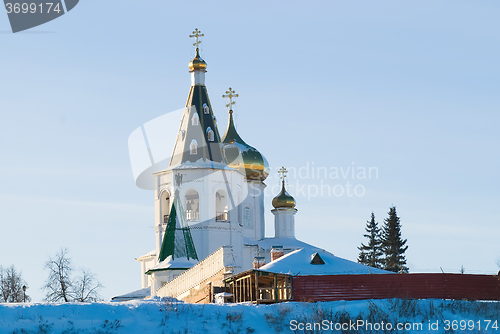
(195, 120)
(206, 109)
(221, 206)
(165, 206)
(193, 147)
(210, 134)
(247, 217)
(192, 205)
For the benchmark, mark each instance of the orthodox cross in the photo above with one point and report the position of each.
(230, 94)
(196, 34)
(282, 173)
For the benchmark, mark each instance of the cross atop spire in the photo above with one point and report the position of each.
(196, 34)
(282, 173)
(230, 94)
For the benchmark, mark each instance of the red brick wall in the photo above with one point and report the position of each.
(418, 286)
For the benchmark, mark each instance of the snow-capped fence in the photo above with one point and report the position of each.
(410, 286)
(214, 264)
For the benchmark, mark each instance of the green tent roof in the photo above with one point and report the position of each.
(177, 241)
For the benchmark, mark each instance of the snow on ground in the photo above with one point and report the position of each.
(157, 316)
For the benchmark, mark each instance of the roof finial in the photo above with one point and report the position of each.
(197, 64)
(283, 173)
(230, 94)
(196, 34)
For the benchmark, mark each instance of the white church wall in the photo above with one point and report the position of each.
(146, 264)
(249, 252)
(254, 201)
(161, 278)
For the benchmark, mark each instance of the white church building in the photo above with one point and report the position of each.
(209, 206)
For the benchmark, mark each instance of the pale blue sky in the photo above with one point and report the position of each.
(411, 88)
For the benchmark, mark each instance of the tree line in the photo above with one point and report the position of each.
(385, 248)
(63, 284)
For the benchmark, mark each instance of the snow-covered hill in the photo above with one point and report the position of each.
(371, 316)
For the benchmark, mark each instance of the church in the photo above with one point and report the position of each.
(209, 210)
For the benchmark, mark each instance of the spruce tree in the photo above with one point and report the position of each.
(393, 245)
(371, 254)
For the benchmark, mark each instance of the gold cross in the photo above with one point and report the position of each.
(282, 173)
(230, 94)
(196, 34)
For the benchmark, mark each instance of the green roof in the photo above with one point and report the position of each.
(177, 241)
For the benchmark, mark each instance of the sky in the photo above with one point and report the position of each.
(407, 90)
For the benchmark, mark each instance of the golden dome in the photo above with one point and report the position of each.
(284, 199)
(243, 157)
(197, 63)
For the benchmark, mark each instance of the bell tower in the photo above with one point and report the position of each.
(198, 180)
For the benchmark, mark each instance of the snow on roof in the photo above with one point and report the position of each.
(137, 294)
(150, 254)
(267, 243)
(201, 163)
(298, 263)
(177, 263)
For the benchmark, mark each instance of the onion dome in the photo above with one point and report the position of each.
(243, 157)
(284, 199)
(197, 63)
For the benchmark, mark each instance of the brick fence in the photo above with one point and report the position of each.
(379, 286)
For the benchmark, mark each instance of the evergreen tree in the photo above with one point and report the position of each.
(392, 244)
(371, 254)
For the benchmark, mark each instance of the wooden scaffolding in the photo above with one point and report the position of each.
(260, 287)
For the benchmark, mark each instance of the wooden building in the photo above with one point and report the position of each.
(260, 287)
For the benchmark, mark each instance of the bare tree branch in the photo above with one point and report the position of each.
(86, 288)
(60, 285)
(11, 286)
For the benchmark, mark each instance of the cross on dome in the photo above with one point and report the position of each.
(284, 199)
(196, 34)
(282, 173)
(230, 94)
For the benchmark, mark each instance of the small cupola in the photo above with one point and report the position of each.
(283, 199)
(284, 211)
(197, 66)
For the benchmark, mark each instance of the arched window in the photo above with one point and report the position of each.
(193, 147)
(206, 109)
(221, 206)
(192, 205)
(195, 120)
(165, 206)
(210, 134)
